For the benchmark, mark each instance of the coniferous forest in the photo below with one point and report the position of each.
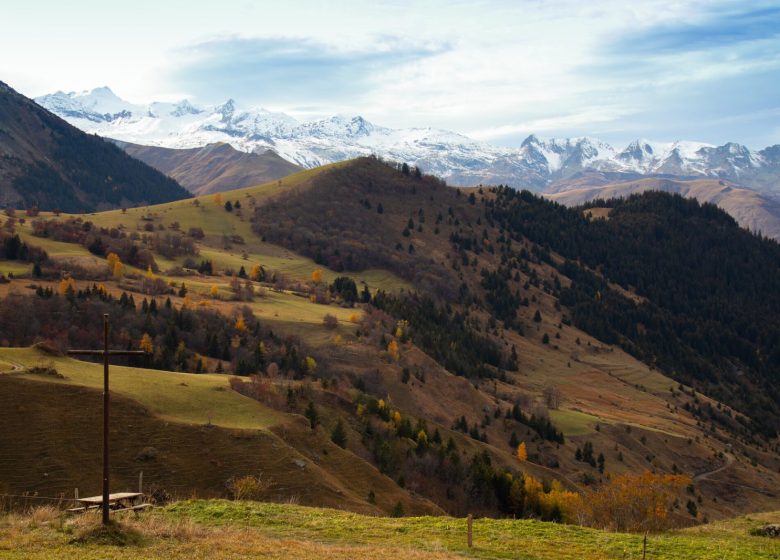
(709, 313)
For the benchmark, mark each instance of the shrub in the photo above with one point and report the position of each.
(247, 487)
(330, 321)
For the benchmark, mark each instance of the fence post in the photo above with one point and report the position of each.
(470, 519)
(141, 482)
(644, 547)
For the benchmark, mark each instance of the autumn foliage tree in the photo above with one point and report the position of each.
(634, 502)
(522, 452)
(393, 350)
(115, 265)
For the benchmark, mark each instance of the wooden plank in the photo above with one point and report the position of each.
(133, 508)
(112, 498)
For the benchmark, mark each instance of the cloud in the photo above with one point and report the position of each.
(722, 27)
(287, 70)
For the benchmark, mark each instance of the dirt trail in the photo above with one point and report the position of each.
(707, 474)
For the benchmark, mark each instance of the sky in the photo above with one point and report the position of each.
(494, 70)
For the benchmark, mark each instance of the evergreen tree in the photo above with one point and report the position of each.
(339, 435)
(312, 415)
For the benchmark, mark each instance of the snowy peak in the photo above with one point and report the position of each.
(637, 152)
(227, 109)
(457, 158)
(98, 105)
(184, 107)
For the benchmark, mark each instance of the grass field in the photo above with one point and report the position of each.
(220, 529)
(208, 399)
(15, 268)
(572, 422)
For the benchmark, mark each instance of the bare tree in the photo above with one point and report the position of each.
(552, 397)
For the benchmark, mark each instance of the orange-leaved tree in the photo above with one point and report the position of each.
(393, 350)
(146, 344)
(634, 502)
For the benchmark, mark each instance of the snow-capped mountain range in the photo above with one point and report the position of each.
(461, 160)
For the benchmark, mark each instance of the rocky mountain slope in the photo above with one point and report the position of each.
(214, 167)
(457, 158)
(46, 162)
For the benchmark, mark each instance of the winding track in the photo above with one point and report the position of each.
(707, 474)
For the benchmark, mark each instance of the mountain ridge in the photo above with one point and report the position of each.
(213, 168)
(452, 156)
(753, 210)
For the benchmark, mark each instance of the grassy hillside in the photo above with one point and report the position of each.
(220, 228)
(178, 397)
(240, 529)
(187, 433)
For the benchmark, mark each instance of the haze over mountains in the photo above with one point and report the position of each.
(455, 157)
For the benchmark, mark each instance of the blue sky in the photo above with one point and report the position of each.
(495, 70)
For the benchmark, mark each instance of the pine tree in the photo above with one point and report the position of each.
(339, 435)
(398, 509)
(312, 415)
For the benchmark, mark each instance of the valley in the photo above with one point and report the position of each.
(426, 280)
(633, 415)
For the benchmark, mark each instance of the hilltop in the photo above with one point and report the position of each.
(434, 328)
(49, 164)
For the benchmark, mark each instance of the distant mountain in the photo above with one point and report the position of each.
(46, 162)
(214, 167)
(752, 210)
(457, 158)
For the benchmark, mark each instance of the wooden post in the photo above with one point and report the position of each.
(141, 482)
(470, 521)
(644, 547)
(106, 403)
(105, 354)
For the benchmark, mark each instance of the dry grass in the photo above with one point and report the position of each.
(160, 536)
(250, 529)
(44, 515)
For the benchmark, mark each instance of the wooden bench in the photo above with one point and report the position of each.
(122, 501)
